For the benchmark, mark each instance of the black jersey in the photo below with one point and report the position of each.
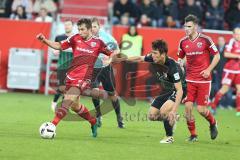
(174, 74)
(65, 57)
(61, 37)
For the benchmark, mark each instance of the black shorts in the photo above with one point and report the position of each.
(61, 76)
(160, 100)
(105, 76)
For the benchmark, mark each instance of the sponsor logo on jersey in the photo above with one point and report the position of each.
(187, 46)
(194, 53)
(84, 50)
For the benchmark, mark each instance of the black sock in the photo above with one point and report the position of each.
(56, 96)
(96, 103)
(116, 106)
(168, 128)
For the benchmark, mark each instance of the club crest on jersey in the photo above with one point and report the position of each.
(93, 44)
(199, 44)
(187, 46)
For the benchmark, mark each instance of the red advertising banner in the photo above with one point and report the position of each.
(19, 34)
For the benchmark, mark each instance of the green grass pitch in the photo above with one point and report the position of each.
(22, 114)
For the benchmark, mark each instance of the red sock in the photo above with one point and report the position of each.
(84, 113)
(209, 117)
(191, 127)
(59, 115)
(217, 98)
(238, 102)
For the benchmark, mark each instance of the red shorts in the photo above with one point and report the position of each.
(79, 82)
(198, 92)
(230, 78)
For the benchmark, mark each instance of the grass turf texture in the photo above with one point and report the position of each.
(22, 114)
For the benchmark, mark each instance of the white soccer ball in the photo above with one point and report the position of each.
(47, 130)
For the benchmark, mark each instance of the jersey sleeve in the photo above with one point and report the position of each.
(174, 73)
(104, 49)
(109, 40)
(181, 53)
(229, 46)
(212, 47)
(65, 44)
(148, 58)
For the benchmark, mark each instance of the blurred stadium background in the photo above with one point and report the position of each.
(28, 73)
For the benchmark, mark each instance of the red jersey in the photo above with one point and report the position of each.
(233, 64)
(197, 52)
(85, 53)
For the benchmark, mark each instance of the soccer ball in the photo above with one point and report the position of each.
(47, 130)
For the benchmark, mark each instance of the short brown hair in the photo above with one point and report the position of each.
(160, 45)
(191, 18)
(94, 19)
(85, 21)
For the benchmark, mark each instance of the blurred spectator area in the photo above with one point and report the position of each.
(85, 7)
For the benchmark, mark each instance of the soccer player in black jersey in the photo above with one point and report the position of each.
(164, 107)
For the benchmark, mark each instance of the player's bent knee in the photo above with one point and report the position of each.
(201, 109)
(95, 93)
(152, 117)
(114, 98)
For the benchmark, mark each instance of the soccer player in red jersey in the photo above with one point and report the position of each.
(86, 49)
(197, 48)
(231, 71)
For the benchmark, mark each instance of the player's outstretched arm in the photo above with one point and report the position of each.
(136, 59)
(52, 44)
(118, 57)
(230, 55)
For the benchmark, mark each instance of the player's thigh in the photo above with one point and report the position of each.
(237, 82)
(227, 78)
(72, 93)
(153, 113)
(224, 88)
(203, 93)
(166, 108)
(191, 92)
(157, 104)
(108, 84)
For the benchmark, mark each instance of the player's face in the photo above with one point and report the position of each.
(237, 34)
(68, 26)
(83, 31)
(157, 57)
(190, 28)
(95, 28)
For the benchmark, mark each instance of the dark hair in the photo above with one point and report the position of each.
(94, 19)
(136, 33)
(68, 20)
(160, 45)
(191, 18)
(85, 21)
(24, 14)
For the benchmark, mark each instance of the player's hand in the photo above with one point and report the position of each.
(119, 57)
(206, 73)
(172, 116)
(40, 37)
(56, 52)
